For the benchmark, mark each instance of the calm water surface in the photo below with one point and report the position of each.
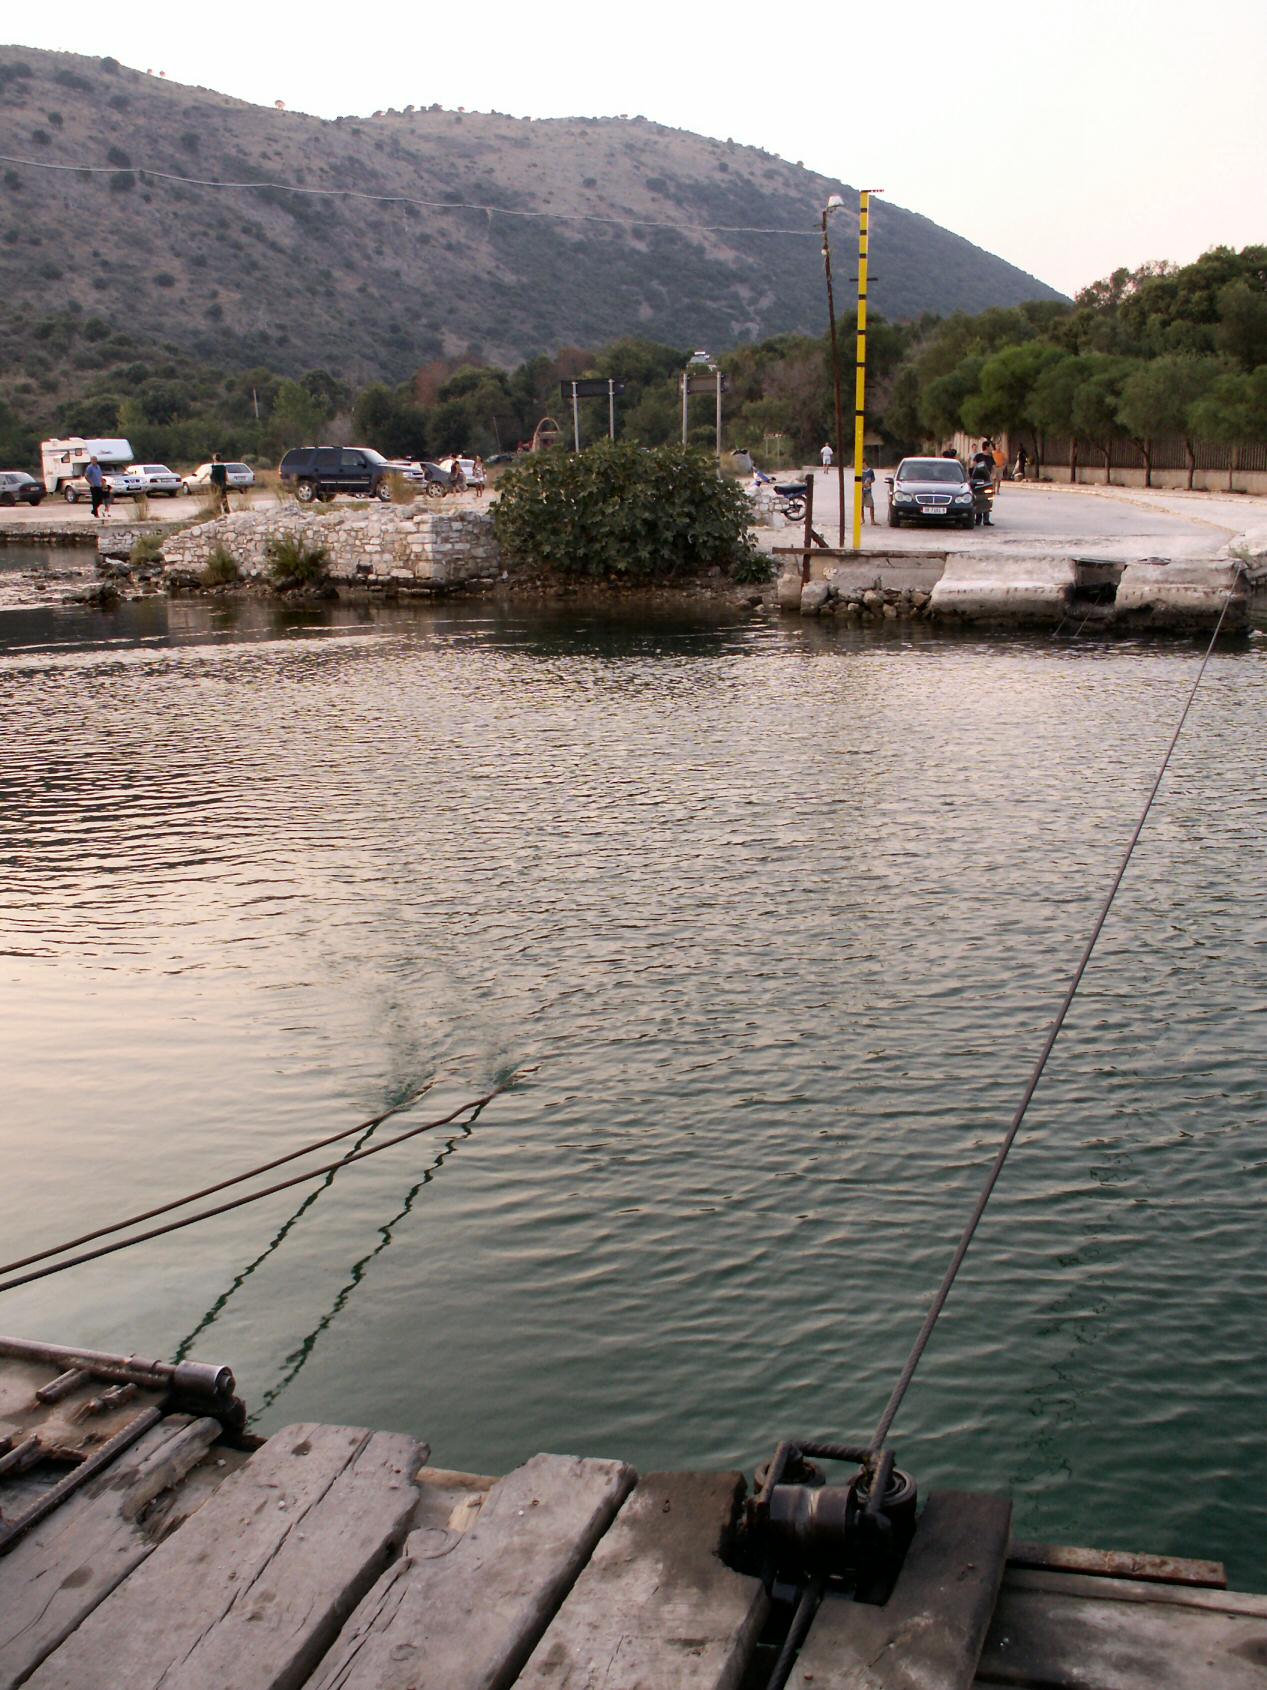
(777, 914)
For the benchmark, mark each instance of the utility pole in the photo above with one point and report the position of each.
(831, 206)
(576, 420)
(860, 389)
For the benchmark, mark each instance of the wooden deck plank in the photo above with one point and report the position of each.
(250, 1592)
(656, 1606)
(1041, 1639)
(929, 1634)
(1098, 1589)
(58, 1572)
(464, 1610)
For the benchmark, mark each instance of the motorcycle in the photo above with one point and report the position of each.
(982, 499)
(787, 498)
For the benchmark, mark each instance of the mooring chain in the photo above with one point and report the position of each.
(1009, 1137)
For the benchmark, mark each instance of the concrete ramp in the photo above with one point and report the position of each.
(996, 588)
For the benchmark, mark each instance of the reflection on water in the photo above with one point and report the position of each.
(781, 911)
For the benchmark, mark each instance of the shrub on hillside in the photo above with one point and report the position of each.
(221, 569)
(616, 511)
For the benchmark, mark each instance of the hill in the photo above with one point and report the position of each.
(369, 289)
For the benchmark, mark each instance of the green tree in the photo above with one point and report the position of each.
(1096, 401)
(1232, 412)
(943, 400)
(1158, 398)
(1004, 399)
(296, 417)
(1052, 403)
(1241, 332)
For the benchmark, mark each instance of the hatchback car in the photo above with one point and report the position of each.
(930, 490)
(321, 472)
(160, 482)
(235, 475)
(19, 488)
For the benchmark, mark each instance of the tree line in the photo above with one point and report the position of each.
(1156, 354)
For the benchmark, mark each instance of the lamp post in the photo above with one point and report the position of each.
(701, 361)
(834, 204)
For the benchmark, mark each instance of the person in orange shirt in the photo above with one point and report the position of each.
(1000, 464)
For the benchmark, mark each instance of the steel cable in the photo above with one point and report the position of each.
(220, 1185)
(475, 1104)
(978, 1209)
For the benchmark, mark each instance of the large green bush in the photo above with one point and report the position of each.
(617, 511)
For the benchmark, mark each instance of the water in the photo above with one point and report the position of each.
(778, 913)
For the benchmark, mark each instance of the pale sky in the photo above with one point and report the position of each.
(1067, 138)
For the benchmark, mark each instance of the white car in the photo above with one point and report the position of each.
(123, 485)
(472, 476)
(160, 481)
(235, 475)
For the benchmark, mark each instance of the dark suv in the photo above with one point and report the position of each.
(319, 472)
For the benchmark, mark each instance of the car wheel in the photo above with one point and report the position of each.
(383, 492)
(895, 520)
(70, 496)
(435, 490)
(37, 498)
(305, 491)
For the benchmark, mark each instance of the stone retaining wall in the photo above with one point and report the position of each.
(396, 544)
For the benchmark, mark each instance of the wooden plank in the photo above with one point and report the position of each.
(929, 1634)
(1077, 1641)
(657, 1606)
(1118, 1564)
(1135, 1590)
(59, 1571)
(251, 1591)
(463, 1611)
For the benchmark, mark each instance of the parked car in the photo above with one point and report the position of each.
(17, 487)
(321, 472)
(236, 475)
(160, 482)
(932, 490)
(469, 473)
(123, 484)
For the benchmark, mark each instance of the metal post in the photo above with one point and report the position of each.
(576, 420)
(809, 526)
(860, 390)
(719, 418)
(611, 408)
(686, 381)
(835, 372)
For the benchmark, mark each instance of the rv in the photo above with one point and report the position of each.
(63, 460)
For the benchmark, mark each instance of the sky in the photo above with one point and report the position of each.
(1068, 139)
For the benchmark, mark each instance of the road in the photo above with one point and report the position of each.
(1118, 522)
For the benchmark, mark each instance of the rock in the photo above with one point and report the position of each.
(788, 590)
(872, 598)
(814, 595)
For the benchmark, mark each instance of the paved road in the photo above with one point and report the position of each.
(1113, 522)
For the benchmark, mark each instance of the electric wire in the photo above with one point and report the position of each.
(996, 1168)
(474, 1104)
(220, 1185)
(141, 170)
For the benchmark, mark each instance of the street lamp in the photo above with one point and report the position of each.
(701, 361)
(834, 203)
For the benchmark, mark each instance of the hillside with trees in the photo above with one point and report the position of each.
(371, 283)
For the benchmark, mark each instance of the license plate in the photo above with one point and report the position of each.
(934, 510)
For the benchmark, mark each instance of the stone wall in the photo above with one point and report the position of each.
(396, 544)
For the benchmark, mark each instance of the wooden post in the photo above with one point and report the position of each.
(576, 420)
(809, 526)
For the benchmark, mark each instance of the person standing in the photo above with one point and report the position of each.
(220, 484)
(1000, 464)
(1022, 463)
(478, 476)
(868, 491)
(96, 485)
(826, 454)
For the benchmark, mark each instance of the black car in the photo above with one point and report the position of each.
(320, 472)
(17, 487)
(928, 490)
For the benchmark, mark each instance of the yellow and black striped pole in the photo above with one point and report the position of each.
(860, 384)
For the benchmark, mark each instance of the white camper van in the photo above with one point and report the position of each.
(64, 460)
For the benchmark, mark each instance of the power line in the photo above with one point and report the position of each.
(966, 1236)
(141, 170)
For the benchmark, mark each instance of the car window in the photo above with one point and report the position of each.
(327, 458)
(353, 460)
(371, 456)
(239, 469)
(931, 469)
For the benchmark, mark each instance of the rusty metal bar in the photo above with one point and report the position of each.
(11, 1530)
(191, 1379)
(63, 1385)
